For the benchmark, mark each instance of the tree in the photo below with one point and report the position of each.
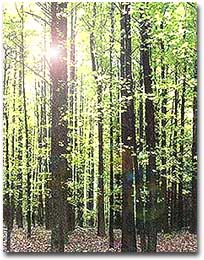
(139, 178)
(100, 200)
(175, 156)
(111, 234)
(194, 160)
(7, 201)
(163, 137)
(128, 133)
(149, 134)
(28, 216)
(59, 166)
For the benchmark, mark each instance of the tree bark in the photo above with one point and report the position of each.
(140, 206)
(164, 207)
(19, 207)
(59, 167)
(100, 199)
(174, 217)
(149, 134)
(194, 161)
(111, 200)
(90, 203)
(128, 134)
(181, 161)
(27, 148)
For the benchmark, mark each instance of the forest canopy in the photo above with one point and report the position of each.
(100, 125)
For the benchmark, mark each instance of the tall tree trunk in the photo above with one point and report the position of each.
(13, 154)
(73, 99)
(40, 156)
(72, 104)
(149, 134)
(35, 170)
(128, 134)
(19, 207)
(175, 157)
(169, 171)
(81, 166)
(100, 199)
(140, 209)
(118, 174)
(101, 216)
(7, 203)
(111, 200)
(181, 160)
(46, 137)
(28, 215)
(163, 141)
(59, 166)
(90, 203)
(194, 161)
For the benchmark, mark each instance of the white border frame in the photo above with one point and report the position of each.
(200, 142)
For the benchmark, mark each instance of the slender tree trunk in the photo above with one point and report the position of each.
(174, 217)
(90, 203)
(59, 166)
(7, 187)
(149, 134)
(163, 142)
(35, 144)
(28, 215)
(100, 199)
(19, 208)
(128, 134)
(181, 161)
(118, 174)
(73, 100)
(40, 156)
(169, 171)
(194, 161)
(13, 154)
(71, 111)
(140, 209)
(111, 200)
(101, 216)
(7, 206)
(46, 137)
(81, 166)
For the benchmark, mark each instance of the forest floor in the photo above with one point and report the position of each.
(86, 240)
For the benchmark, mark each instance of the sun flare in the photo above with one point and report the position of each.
(52, 53)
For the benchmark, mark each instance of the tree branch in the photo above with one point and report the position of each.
(38, 17)
(36, 73)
